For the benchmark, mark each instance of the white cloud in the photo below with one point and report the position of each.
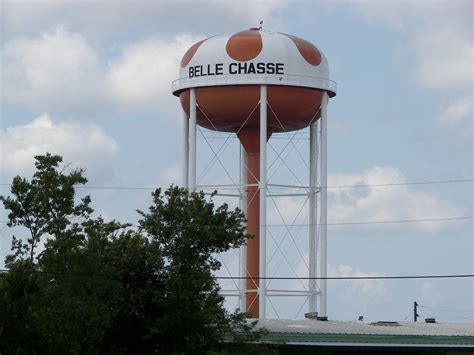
(50, 63)
(438, 38)
(144, 71)
(366, 291)
(61, 72)
(54, 69)
(260, 9)
(289, 210)
(114, 19)
(387, 13)
(443, 59)
(360, 292)
(438, 47)
(456, 112)
(85, 145)
(352, 204)
(387, 203)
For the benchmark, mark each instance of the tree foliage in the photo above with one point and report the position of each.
(189, 230)
(105, 287)
(44, 205)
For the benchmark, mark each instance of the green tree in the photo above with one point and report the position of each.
(44, 205)
(57, 301)
(105, 287)
(135, 262)
(189, 230)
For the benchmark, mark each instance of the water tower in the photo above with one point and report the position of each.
(255, 83)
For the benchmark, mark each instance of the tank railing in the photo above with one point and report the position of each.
(255, 79)
(229, 78)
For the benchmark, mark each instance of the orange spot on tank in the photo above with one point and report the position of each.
(307, 50)
(245, 45)
(191, 52)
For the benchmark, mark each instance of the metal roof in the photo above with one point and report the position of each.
(345, 333)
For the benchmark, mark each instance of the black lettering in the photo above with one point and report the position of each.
(219, 69)
(251, 68)
(209, 71)
(231, 70)
(279, 68)
(270, 68)
(242, 68)
(191, 72)
(260, 68)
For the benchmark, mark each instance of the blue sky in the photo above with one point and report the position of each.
(92, 81)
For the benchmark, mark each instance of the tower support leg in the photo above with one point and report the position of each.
(324, 182)
(185, 148)
(243, 207)
(313, 163)
(192, 140)
(263, 199)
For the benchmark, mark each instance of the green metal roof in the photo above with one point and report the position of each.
(367, 334)
(368, 339)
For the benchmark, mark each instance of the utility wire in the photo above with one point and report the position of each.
(104, 187)
(448, 310)
(347, 223)
(430, 182)
(377, 222)
(402, 183)
(348, 277)
(4, 271)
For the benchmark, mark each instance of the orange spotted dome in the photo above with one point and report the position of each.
(226, 71)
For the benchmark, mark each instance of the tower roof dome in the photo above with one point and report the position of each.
(254, 57)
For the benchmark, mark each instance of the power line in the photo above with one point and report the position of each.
(91, 187)
(377, 222)
(447, 310)
(348, 277)
(403, 183)
(399, 277)
(429, 182)
(349, 223)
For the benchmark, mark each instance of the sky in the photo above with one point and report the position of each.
(91, 81)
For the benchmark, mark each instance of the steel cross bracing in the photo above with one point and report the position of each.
(271, 293)
(291, 239)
